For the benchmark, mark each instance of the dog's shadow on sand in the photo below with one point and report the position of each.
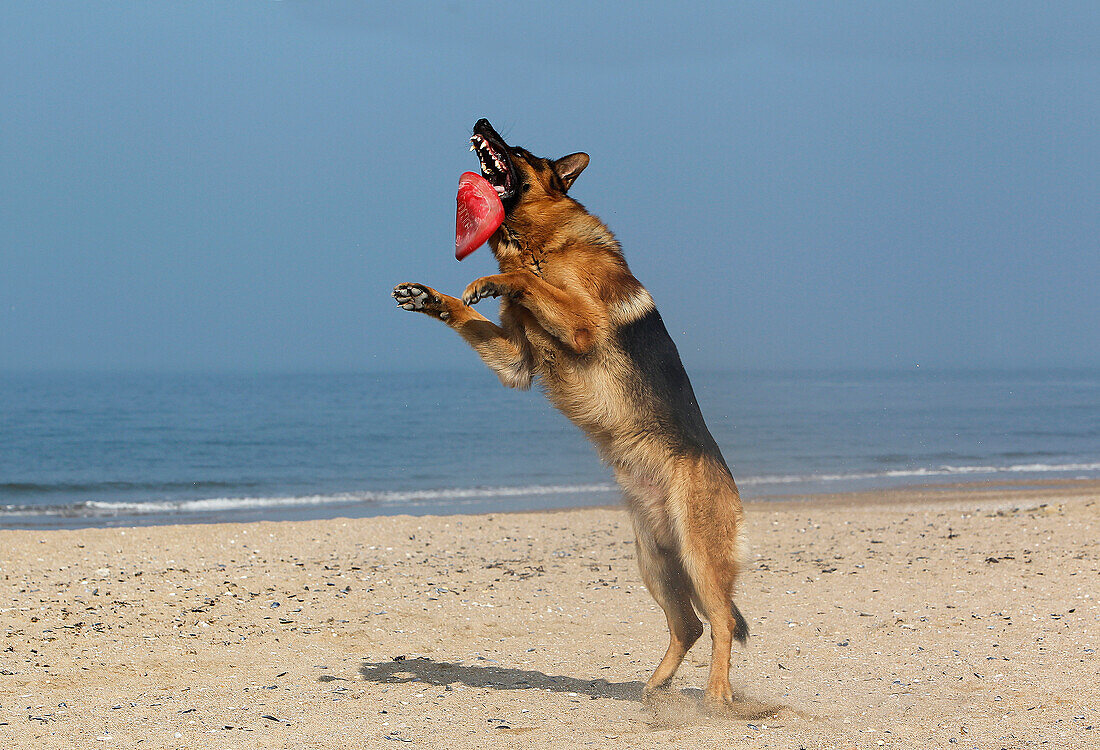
(666, 708)
(426, 671)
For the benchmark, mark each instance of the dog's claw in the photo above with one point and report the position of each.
(479, 290)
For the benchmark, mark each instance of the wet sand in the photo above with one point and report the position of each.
(962, 616)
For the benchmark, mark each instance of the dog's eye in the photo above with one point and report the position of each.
(525, 186)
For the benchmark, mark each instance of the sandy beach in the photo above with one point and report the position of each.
(962, 616)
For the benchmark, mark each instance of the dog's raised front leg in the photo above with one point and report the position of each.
(503, 356)
(574, 320)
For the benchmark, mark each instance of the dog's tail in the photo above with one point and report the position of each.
(740, 627)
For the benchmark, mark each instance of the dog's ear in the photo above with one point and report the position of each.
(570, 167)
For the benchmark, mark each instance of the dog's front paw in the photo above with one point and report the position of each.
(420, 298)
(479, 289)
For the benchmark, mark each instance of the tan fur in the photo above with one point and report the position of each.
(565, 290)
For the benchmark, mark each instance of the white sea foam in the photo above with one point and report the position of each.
(466, 495)
(940, 471)
(410, 497)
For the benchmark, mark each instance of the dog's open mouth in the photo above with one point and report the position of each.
(496, 164)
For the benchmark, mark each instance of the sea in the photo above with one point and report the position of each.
(110, 449)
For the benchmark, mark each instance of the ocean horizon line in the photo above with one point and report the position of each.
(476, 367)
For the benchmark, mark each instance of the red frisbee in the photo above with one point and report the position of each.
(479, 213)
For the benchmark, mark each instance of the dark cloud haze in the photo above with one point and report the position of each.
(239, 185)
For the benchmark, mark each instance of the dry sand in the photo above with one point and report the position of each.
(953, 617)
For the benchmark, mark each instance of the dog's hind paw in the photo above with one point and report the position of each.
(420, 298)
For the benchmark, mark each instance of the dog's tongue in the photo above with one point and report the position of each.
(479, 214)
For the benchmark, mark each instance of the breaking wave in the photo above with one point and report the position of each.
(459, 496)
(92, 508)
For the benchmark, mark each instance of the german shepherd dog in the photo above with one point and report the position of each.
(573, 316)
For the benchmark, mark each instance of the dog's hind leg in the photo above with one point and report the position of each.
(709, 518)
(669, 584)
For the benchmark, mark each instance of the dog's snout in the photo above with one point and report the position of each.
(485, 128)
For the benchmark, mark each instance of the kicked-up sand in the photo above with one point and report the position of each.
(961, 616)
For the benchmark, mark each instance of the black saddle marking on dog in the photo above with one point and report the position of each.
(665, 386)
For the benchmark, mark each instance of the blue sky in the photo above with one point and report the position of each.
(239, 185)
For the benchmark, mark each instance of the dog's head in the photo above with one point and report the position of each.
(528, 185)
